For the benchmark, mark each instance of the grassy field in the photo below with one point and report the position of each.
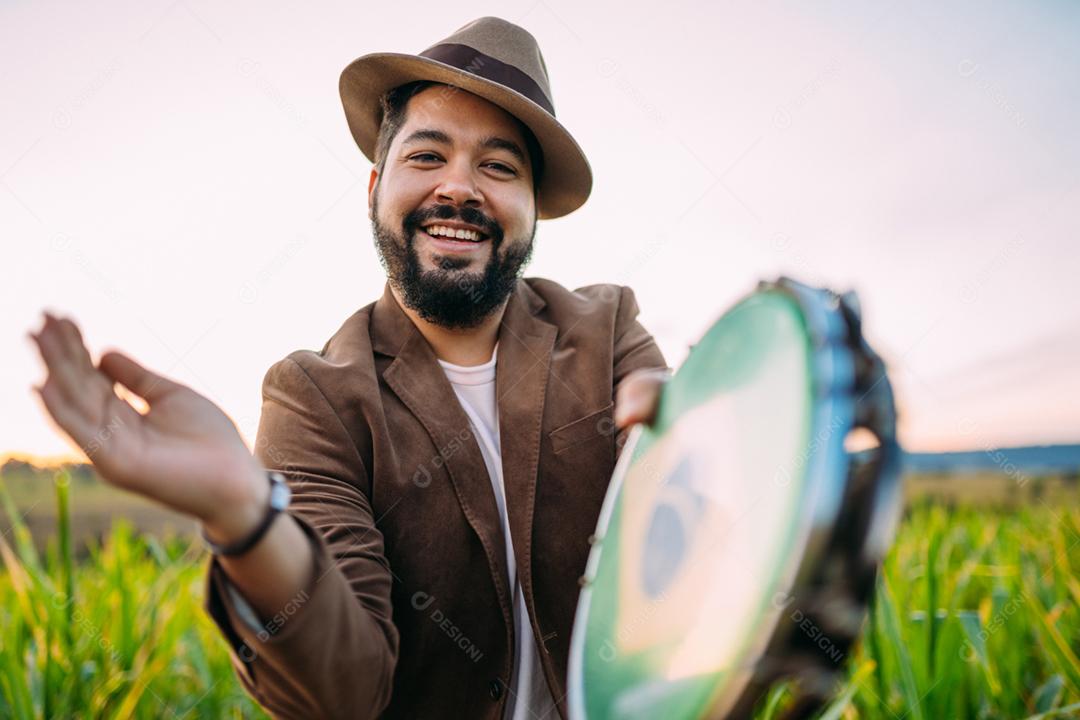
(977, 615)
(118, 634)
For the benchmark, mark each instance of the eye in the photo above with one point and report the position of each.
(502, 168)
(420, 157)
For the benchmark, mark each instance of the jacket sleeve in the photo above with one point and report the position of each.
(331, 651)
(634, 349)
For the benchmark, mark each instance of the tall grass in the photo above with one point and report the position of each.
(121, 634)
(977, 615)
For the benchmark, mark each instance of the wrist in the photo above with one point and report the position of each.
(239, 516)
(277, 502)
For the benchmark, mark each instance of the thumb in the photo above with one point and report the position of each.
(144, 383)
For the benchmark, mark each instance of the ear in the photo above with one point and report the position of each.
(372, 181)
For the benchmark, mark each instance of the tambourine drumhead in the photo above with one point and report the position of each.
(708, 518)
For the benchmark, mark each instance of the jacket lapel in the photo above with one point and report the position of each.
(418, 380)
(521, 378)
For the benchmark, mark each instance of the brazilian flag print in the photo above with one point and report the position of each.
(699, 524)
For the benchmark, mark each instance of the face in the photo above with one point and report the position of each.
(453, 211)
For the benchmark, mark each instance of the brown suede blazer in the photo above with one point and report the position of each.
(409, 615)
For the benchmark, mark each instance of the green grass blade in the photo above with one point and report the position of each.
(1055, 644)
(837, 707)
(909, 689)
(1071, 711)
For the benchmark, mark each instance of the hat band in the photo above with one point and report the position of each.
(473, 61)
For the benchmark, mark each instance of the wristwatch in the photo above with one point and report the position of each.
(279, 500)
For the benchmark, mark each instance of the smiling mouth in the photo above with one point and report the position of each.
(446, 233)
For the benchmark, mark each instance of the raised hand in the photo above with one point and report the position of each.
(183, 452)
(638, 396)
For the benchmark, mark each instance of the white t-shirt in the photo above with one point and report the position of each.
(474, 386)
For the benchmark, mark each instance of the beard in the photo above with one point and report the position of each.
(449, 296)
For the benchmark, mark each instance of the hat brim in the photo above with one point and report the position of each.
(567, 179)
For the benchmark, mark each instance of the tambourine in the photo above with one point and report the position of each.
(740, 537)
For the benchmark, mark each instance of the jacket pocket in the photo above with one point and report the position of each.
(593, 425)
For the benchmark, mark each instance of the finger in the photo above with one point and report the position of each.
(143, 382)
(59, 367)
(638, 397)
(641, 387)
(75, 387)
(66, 416)
(74, 345)
(49, 344)
(626, 414)
(629, 405)
(636, 409)
(92, 387)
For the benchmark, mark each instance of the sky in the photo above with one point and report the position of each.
(179, 179)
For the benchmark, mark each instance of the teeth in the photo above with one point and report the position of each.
(444, 231)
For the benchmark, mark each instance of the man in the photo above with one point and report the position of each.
(447, 450)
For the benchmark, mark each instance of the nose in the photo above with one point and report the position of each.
(457, 186)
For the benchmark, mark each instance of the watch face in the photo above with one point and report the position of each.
(279, 495)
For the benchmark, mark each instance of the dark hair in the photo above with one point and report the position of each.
(394, 104)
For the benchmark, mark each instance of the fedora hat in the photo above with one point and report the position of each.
(501, 63)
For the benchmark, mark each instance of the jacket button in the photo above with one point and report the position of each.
(495, 689)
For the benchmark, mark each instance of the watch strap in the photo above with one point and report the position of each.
(279, 500)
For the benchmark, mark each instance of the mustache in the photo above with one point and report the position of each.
(468, 215)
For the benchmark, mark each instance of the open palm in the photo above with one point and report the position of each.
(184, 451)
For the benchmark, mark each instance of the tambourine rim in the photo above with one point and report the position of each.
(825, 334)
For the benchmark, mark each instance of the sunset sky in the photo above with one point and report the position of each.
(178, 177)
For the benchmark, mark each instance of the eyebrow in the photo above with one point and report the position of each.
(492, 142)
